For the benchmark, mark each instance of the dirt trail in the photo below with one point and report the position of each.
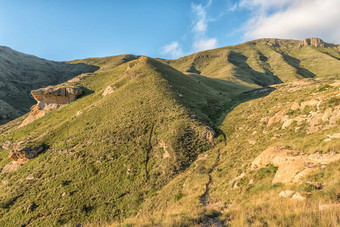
(205, 198)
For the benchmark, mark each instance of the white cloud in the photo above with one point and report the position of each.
(200, 23)
(204, 44)
(173, 49)
(198, 32)
(200, 26)
(295, 19)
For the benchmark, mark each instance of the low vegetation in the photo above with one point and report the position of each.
(171, 142)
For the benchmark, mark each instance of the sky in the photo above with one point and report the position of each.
(73, 29)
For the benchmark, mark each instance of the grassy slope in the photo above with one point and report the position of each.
(262, 62)
(135, 150)
(258, 202)
(108, 154)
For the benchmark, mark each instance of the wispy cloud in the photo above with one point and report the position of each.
(200, 26)
(295, 19)
(173, 49)
(200, 22)
(198, 31)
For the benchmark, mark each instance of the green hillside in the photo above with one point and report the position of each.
(110, 153)
(171, 142)
(220, 187)
(263, 62)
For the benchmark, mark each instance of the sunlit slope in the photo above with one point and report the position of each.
(221, 187)
(106, 154)
(263, 62)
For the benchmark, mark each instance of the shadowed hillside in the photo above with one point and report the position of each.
(20, 73)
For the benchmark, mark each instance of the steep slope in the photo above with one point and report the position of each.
(252, 64)
(106, 152)
(279, 167)
(20, 73)
(192, 141)
(265, 61)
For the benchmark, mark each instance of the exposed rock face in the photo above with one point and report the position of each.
(49, 99)
(20, 153)
(312, 41)
(311, 113)
(61, 95)
(292, 165)
(316, 42)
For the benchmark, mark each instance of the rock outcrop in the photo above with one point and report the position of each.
(51, 98)
(316, 114)
(292, 165)
(20, 153)
(316, 42)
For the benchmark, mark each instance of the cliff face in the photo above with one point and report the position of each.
(49, 99)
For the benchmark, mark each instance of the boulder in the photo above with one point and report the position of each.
(297, 196)
(286, 194)
(20, 153)
(56, 95)
(50, 98)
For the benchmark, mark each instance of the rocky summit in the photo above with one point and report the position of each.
(244, 135)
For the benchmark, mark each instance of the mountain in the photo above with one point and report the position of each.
(239, 135)
(20, 73)
(265, 61)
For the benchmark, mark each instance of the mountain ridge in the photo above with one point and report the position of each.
(173, 142)
(244, 63)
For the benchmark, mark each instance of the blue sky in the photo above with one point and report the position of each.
(73, 29)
